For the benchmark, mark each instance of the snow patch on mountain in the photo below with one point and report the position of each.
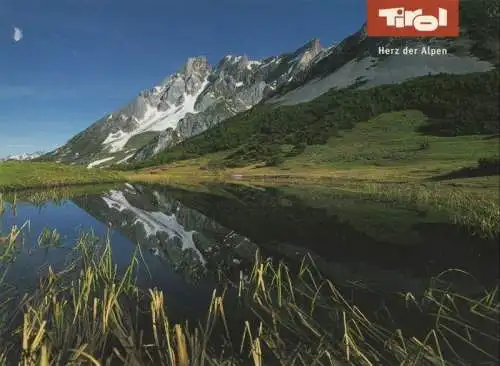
(99, 162)
(252, 64)
(125, 159)
(155, 120)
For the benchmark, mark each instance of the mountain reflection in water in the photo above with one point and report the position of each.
(188, 237)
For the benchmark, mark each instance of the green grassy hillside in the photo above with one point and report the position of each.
(393, 140)
(450, 106)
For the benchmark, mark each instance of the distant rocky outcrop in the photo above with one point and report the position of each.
(22, 157)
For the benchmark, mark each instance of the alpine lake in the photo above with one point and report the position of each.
(189, 242)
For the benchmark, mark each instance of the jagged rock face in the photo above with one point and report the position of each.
(187, 103)
(188, 81)
(357, 61)
(253, 94)
(156, 145)
(136, 109)
(235, 85)
(153, 110)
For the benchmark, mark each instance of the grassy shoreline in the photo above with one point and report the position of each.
(467, 202)
(31, 175)
(471, 205)
(188, 173)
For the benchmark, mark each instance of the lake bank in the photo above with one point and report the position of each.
(30, 175)
(471, 202)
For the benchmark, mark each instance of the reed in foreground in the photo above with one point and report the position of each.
(92, 312)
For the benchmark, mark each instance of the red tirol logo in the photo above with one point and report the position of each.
(413, 18)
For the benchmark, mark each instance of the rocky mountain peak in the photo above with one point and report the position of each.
(309, 52)
(316, 45)
(191, 100)
(312, 47)
(232, 62)
(196, 65)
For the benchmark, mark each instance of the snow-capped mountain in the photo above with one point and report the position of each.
(201, 95)
(186, 103)
(25, 156)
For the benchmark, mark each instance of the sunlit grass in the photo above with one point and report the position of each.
(92, 312)
(476, 210)
(2, 204)
(326, 325)
(23, 175)
(8, 242)
(388, 148)
(56, 195)
(49, 238)
(88, 313)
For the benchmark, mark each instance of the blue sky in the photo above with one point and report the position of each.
(81, 59)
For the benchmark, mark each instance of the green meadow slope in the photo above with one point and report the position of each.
(393, 140)
(437, 124)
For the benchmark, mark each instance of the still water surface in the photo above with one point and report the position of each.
(188, 236)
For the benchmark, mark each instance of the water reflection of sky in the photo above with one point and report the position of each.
(70, 220)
